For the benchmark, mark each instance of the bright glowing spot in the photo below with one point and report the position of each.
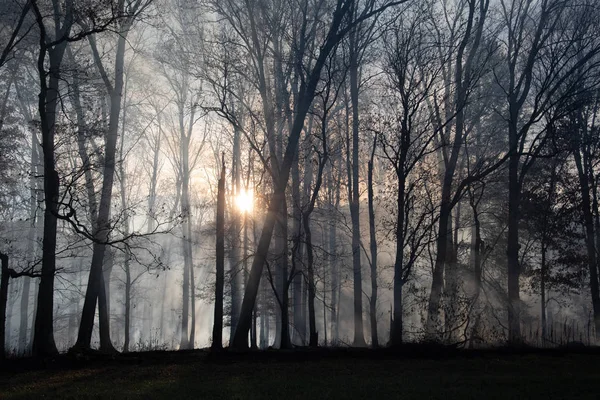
(245, 201)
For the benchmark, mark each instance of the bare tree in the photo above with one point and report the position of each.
(96, 290)
(538, 77)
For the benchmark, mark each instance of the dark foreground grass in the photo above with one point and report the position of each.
(325, 374)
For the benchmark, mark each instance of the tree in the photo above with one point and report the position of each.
(466, 74)
(406, 139)
(96, 290)
(335, 32)
(15, 26)
(52, 45)
(530, 93)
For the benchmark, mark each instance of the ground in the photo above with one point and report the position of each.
(414, 373)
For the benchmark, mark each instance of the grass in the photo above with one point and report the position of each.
(303, 374)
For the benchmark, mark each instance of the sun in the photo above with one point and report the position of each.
(244, 201)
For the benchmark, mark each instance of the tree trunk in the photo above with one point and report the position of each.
(4, 280)
(397, 320)
(185, 226)
(359, 339)
(254, 331)
(589, 234)
(156, 148)
(127, 304)
(217, 334)
(126, 262)
(283, 285)
(451, 287)
(234, 261)
(106, 275)
(437, 283)
(24, 319)
(43, 335)
(543, 290)
(96, 286)
(35, 288)
(31, 243)
(475, 256)
(333, 261)
(263, 315)
(325, 338)
(297, 277)
(373, 248)
(192, 341)
(512, 251)
(313, 335)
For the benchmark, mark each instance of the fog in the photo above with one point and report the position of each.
(298, 173)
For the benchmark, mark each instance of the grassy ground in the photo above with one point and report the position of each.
(325, 374)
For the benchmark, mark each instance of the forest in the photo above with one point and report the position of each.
(256, 174)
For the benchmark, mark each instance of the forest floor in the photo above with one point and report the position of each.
(410, 373)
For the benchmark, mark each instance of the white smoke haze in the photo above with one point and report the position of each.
(416, 134)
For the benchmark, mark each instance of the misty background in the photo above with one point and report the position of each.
(298, 172)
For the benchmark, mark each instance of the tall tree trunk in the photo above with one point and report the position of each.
(156, 148)
(297, 277)
(264, 315)
(34, 295)
(373, 248)
(397, 320)
(437, 284)
(543, 268)
(333, 261)
(35, 197)
(43, 335)
(282, 336)
(475, 256)
(254, 331)
(186, 212)
(127, 303)
(4, 280)
(192, 342)
(310, 206)
(589, 233)
(163, 305)
(217, 334)
(96, 286)
(126, 262)
(512, 251)
(193, 294)
(109, 260)
(234, 262)
(313, 335)
(325, 338)
(359, 339)
(24, 318)
(31, 248)
(451, 282)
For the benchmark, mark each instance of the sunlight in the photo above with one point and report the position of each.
(245, 201)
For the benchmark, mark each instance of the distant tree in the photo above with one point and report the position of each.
(335, 31)
(96, 288)
(460, 74)
(540, 73)
(406, 139)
